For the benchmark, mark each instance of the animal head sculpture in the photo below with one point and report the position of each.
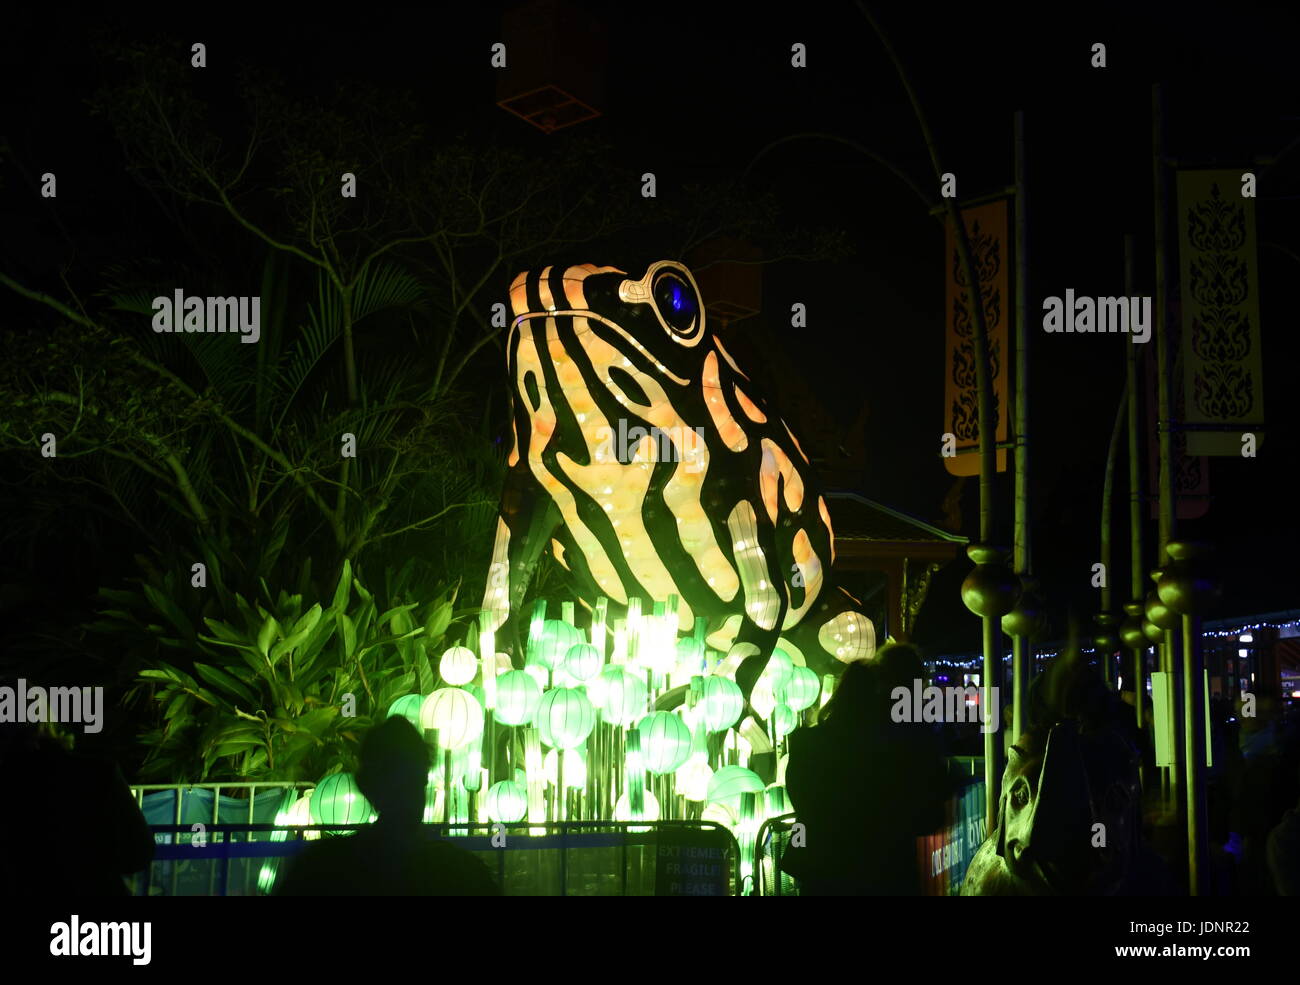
(649, 464)
(1069, 816)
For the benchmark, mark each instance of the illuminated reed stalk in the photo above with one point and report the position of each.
(619, 657)
(828, 688)
(598, 624)
(635, 773)
(562, 792)
(487, 651)
(535, 628)
(747, 832)
(633, 629)
(535, 776)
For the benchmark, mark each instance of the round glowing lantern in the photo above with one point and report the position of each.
(298, 814)
(575, 768)
(583, 661)
(622, 695)
(407, 707)
(458, 666)
(693, 780)
(665, 742)
(553, 644)
(690, 655)
(565, 717)
(784, 720)
(762, 699)
(802, 689)
(722, 703)
(729, 783)
(507, 802)
(778, 670)
(456, 714)
(337, 800)
(517, 698)
(650, 811)
(719, 814)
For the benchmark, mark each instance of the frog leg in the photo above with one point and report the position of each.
(525, 524)
(754, 548)
(833, 633)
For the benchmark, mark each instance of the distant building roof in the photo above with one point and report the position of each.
(856, 518)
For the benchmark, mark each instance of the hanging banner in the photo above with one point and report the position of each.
(1223, 382)
(986, 225)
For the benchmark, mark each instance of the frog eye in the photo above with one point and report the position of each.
(677, 303)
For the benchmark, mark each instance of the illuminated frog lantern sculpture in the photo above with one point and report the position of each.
(647, 462)
(1069, 818)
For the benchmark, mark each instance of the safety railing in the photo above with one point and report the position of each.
(942, 857)
(584, 858)
(190, 792)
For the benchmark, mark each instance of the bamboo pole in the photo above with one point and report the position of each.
(992, 660)
(1107, 489)
(1022, 558)
(1164, 411)
(1134, 488)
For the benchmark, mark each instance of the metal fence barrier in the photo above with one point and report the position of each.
(942, 857)
(582, 858)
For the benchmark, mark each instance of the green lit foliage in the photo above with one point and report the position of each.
(264, 695)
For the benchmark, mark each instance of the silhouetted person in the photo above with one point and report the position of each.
(864, 787)
(71, 826)
(1283, 854)
(397, 855)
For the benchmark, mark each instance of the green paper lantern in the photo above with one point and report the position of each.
(456, 714)
(458, 666)
(802, 689)
(729, 783)
(784, 721)
(722, 703)
(556, 638)
(338, 800)
(693, 780)
(620, 694)
(565, 717)
(665, 742)
(517, 698)
(507, 802)
(575, 768)
(583, 661)
(650, 810)
(779, 670)
(407, 707)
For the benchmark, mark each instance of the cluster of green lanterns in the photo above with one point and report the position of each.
(624, 721)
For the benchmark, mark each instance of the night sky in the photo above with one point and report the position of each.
(695, 90)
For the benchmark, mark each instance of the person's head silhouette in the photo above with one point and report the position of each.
(853, 705)
(394, 771)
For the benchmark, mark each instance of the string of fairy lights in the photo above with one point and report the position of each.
(1286, 623)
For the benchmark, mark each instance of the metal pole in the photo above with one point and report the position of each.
(1108, 485)
(1194, 725)
(1134, 488)
(1022, 559)
(1164, 360)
